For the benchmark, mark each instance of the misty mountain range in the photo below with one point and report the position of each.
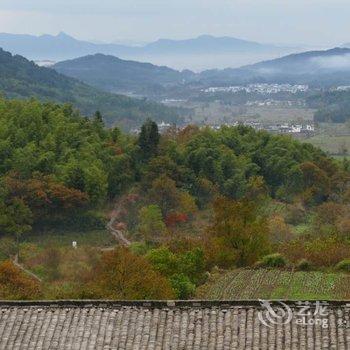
(112, 74)
(315, 68)
(20, 78)
(198, 53)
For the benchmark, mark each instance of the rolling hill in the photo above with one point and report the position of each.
(206, 44)
(318, 68)
(113, 74)
(20, 78)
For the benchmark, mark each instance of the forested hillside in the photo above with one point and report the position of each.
(190, 201)
(333, 107)
(113, 74)
(20, 78)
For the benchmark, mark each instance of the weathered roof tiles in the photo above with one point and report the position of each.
(162, 325)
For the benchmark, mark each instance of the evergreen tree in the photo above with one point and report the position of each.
(149, 139)
(98, 118)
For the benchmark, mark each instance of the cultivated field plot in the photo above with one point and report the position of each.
(334, 145)
(218, 113)
(243, 284)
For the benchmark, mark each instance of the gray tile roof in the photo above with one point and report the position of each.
(163, 325)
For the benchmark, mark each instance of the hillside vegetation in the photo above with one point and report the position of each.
(20, 78)
(113, 74)
(333, 107)
(189, 201)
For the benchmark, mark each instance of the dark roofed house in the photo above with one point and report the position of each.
(173, 325)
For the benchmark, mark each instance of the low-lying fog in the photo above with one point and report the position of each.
(199, 63)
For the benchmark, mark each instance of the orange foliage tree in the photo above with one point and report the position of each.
(44, 195)
(15, 284)
(238, 227)
(280, 231)
(317, 185)
(123, 275)
(319, 252)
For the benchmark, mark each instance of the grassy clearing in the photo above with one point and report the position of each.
(243, 284)
(333, 138)
(95, 238)
(218, 112)
(335, 145)
(50, 254)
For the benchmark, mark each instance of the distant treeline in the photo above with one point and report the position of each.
(332, 107)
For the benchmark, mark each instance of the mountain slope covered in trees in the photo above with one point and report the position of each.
(20, 78)
(113, 74)
(193, 199)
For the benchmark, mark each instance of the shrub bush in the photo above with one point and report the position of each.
(303, 265)
(326, 252)
(273, 260)
(8, 248)
(182, 285)
(343, 265)
(139, 248)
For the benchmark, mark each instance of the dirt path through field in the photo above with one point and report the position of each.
(112, 225)
(16, 263)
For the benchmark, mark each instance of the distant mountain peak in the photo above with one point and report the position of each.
(60, 35)
(63, 35)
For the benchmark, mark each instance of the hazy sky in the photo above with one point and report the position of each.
(319, 22)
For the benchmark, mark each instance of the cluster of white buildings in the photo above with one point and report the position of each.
(275, 103)
(286, 128)
(292, 128)
(341, 88)
(260, 89)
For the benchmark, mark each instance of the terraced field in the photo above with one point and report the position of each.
(242, 284)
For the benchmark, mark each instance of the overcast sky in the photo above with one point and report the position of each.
(318, 22)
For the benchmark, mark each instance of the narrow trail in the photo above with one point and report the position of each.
(113, 222)
(111, 227)
(33, 275)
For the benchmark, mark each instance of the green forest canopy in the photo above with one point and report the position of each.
(53, 160)
(60, 170)
(20, 78)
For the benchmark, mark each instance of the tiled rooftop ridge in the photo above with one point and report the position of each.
(158, 303)
(158, 325)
